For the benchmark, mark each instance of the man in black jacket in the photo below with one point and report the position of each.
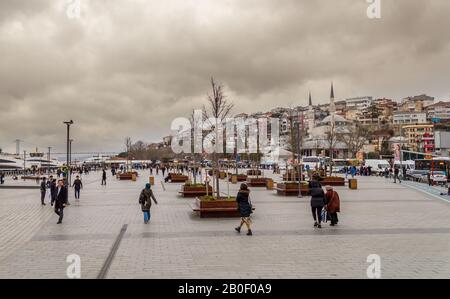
(43, 190)
(61, 200)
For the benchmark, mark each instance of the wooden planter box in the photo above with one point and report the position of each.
(257, 182)
(128, 176)
(292, 178)
(254, 172)
(240, 177)
(195, 191)
(178, 178)
(291, 189)
(216, 208)
(333, 182)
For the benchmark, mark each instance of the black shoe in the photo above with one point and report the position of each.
(316, 224)
(319, 226)
(43, 204)
(332, 224)
(250, 233)
(238, 229)
(59, 222)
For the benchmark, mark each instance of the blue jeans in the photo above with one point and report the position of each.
(147, 216)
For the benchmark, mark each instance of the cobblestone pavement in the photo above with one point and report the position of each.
(408, 228)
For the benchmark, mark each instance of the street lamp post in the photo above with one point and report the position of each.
(68, 124)
(70, 161)
(298, 156)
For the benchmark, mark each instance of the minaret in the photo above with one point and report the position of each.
(311, 116)
(332, 106)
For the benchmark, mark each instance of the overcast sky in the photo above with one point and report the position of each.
(127, 68)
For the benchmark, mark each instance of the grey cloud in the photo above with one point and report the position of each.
(130, 67)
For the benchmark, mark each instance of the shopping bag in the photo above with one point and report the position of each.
(324, 215)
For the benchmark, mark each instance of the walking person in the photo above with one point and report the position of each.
(145, 200)
(43, 190)
(245, 209)
(77, 185)
(61, 200)
(53, 188)
(2, 178)
(317, 202)
(104, 177)
(333, 205)
(396, 177)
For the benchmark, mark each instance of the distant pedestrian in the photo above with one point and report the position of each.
(2, 178)
(163, 169)
(317, 202)
(404, 174)
(430, 182)
(151, 170)
(77, 185)
(61, 200)
(104, 177)
(43, 190)
(53, 189)
(245, 209)
(333, 205)
(353, 171)
(396, 177)
(145, 200)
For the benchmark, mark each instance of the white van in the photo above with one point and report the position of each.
(378, 166)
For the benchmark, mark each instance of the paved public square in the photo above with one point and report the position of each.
(407, 227)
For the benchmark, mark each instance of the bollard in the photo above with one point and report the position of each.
(152, 180)
(353, 184)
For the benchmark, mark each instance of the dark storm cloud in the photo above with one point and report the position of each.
(127, 68)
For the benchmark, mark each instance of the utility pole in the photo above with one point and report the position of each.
(24, 161)
(48, 158)
(68, 124)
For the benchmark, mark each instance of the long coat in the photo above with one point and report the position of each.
(61, 198)
(145, 199)
(317, 198)
(334, 203)
(245, 208)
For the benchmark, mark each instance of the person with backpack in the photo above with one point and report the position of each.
(145, 200)
(333, 204)
(245, 209)
(317, 202)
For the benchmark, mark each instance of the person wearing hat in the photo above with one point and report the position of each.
(245, 209)
(145, 200)
(317, 202)
(333, 204)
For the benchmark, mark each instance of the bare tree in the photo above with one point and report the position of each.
(355, 138)
(219, 109)
(332, 138)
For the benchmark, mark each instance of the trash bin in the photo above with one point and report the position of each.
(234, 179)
(222, 175)
(353, 184)
(269, 184)
(133, 177)
(152, 180)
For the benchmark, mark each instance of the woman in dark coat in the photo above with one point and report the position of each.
(145, 200)
(245, 209)
(317, 202)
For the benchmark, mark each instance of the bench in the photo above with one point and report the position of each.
(219, 212)
(178, 179)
